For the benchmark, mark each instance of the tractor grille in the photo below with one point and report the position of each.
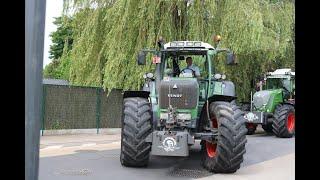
(260, 98)
(184, 96)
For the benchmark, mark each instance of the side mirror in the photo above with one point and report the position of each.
(231, 59)
(142, 58)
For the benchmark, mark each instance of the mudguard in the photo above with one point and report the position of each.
(221, 98)
(228, 88)
(143, 94)
(292, 102)
(224, 93)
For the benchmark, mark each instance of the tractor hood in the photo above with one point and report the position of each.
(179, 93)
(262, 98)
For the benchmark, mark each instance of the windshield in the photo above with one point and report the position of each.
(186, 65)
(276, 83)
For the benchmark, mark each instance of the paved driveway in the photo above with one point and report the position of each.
(96, 157)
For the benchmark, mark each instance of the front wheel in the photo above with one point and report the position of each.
(226, 154)
(284, 121)
(136, 126)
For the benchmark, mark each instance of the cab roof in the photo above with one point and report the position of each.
(192, 45)
(285, 71)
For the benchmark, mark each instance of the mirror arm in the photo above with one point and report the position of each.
(149, 50)
(223, 50)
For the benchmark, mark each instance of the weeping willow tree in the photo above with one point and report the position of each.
(109, 33)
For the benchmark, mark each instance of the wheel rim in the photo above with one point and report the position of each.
(250, 125)
(211, 149)
(290, 121)
(214, 122)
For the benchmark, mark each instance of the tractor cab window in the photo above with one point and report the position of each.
(293, 84)
(177, 66)
(286, 84)
(199, 65)
(275, 83)
(171, 67)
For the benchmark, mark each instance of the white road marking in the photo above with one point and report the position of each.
(88, 144)
(116, 142)
(52, 147)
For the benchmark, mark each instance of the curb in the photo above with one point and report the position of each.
(107, 131)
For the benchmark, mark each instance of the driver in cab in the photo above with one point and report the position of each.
(191, 68)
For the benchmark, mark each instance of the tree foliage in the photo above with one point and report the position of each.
(108, 35)
(62, 42)
(61, 37)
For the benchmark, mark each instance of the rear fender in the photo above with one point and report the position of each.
(221, 98)
(292, 103)
(204, 112)
(143, 94)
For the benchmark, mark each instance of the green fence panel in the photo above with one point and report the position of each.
(111, 109)
(70, 107)
(74, 107)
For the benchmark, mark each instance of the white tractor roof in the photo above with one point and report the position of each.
(188, 44)
(285, 71)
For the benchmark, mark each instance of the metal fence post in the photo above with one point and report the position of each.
(43, 105)
(98, 107)
(34, 39)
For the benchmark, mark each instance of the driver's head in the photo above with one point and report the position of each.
(189, 61)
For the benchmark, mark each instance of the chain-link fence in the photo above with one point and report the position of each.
(74, 107)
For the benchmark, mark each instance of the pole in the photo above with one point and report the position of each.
(34, 39)
(43, 105)
(251, 100)
(98, 108)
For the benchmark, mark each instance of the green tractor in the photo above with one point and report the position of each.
(274, 106)
(178, 105)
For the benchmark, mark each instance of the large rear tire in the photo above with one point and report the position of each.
(136, 126)
(226, 155)
(284, 121)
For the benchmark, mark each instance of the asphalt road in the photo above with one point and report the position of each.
(79, 158)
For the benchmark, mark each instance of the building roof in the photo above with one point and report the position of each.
(55, 82)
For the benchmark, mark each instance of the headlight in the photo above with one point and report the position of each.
(197, 44)
(180, 44)
(163, 115)
(184, 116)
(217, 76)
(189, 43)
(223, 76)
(173, 44)
(150, 75)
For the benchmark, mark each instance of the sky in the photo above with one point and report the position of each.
(54, 9)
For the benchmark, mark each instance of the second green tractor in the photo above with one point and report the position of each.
(274, 105)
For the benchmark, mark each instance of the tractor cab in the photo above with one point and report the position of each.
(176, 57)
(184, 88)
(281, 79)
